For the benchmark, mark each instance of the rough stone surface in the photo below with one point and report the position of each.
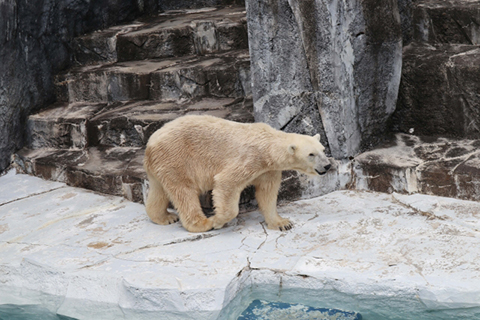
(61, 126)
(100, 46)
(35, 44)
(132, 124)
(435, 166)
(172, 34)
(331, 63)
(178, 35)
(438, 94)
(405, 9)
(454, 22)
(88, 256)
(122, 124)
(439, 91)
(183, 4)
(115, 171)
(223, 75)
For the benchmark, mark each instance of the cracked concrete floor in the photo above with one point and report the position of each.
(91, 256)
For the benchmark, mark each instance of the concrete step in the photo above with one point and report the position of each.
(439, 91)
(170, 34)
(121, 124)
(454, 21)
(435, 166)
(219, 75)
(116, 171)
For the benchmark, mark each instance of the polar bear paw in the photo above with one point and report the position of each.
(166, 219)
(281, 224)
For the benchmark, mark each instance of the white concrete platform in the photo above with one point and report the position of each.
(91, 256)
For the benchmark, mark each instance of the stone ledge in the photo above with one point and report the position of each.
(170, 34)
(114, 171)
(435, 166)
(124, 124)
(90, 256)
(218, 75)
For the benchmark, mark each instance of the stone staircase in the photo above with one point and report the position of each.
(129, 80)
(436, 150)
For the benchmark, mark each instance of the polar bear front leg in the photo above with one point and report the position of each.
(266, 193)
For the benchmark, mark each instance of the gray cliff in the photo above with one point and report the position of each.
(331, 67)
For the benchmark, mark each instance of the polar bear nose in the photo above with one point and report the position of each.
(327, 167)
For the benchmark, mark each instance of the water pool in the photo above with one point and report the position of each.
(267, 302)
(370, 307)
(28, 312)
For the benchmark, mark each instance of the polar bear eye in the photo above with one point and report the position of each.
(311, 155)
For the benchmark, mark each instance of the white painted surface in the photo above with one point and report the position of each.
(91, 256)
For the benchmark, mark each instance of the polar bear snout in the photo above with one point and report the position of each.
(326, 168)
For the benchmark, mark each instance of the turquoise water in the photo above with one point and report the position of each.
(370, 307)
(267, 310)
(28, 312)
(270, 302)
(257, 310)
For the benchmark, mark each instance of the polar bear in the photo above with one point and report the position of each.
(194, 154)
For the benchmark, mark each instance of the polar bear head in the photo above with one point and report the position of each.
(308, 155)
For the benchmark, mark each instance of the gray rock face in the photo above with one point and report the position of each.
(405, 8)
(439, 91)
(438, 94)
(328, 66)
(193, 4)
(35, 44)
(170, 34)
(436, 21)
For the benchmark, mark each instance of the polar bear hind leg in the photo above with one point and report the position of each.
(186, 201)
(157, 203)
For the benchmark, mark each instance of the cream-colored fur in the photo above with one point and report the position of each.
(194, 154)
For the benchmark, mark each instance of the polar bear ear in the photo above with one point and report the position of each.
(317, 136)
(292, 148)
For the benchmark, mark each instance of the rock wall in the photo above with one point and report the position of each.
(438, 94)
(405, 8)
(326, 66)
(35, 41)
(193, 4)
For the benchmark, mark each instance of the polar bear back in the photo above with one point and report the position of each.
(199, 147)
